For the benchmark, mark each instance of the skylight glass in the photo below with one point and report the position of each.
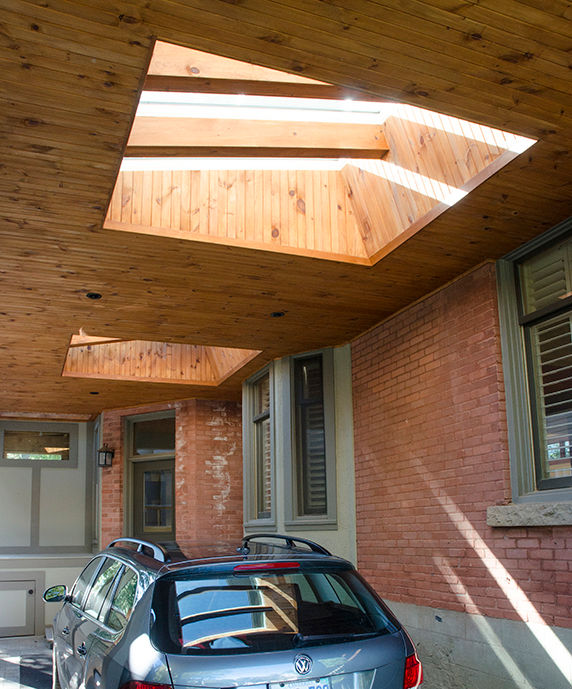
(242, 107)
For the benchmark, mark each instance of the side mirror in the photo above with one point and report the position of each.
(55, 594)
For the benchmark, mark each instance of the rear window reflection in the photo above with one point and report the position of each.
(263, 612)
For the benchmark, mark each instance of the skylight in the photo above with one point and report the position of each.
(272, 162)
(243, 107)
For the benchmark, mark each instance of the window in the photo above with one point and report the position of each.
(310, 437)
(49, 444)
(259, 452)
(535, 299)
(262, 449)
(37, 445)
(101, 587)
(312, 470)
(289, 443)
(84, 580)
(152, 436)
(123, 600)
(226, 613)
(546, 316)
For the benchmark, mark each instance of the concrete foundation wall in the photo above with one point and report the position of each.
(462, 651)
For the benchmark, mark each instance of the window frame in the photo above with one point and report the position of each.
(110, 594)
(130, 422)
(249, 418)
(68, 428)
(516, 352)
(293, 516)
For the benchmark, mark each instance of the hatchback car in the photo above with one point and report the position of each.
(278, 612)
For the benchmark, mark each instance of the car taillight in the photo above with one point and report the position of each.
(136, 684)
(265, 565)
(413, 675)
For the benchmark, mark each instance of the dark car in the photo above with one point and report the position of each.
(278, 612)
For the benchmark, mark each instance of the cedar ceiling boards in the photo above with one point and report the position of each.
(69, 82)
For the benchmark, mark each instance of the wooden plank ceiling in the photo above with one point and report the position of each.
(70, 78)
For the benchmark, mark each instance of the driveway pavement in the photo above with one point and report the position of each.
(25, 663)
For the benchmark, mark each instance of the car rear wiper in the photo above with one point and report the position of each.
(302, 639)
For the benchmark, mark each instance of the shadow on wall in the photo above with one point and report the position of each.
(555, 650)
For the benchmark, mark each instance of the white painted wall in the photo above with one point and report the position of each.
(62, 506)
(15, 506)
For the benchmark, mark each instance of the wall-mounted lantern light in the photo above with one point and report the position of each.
(105, 456)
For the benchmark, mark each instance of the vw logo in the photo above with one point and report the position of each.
(302, 664)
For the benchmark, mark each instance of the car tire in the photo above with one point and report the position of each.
(55, 677)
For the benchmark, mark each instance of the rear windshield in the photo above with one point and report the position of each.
(244, 613)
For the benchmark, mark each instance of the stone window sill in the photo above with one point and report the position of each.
(532, 514)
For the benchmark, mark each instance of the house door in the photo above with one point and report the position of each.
(154, 500)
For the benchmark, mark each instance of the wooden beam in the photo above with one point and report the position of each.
(224, 137)
(177, 60)
(249, 152)
(253, 87)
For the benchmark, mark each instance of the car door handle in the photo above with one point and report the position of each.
(81, 649)
(66, 630)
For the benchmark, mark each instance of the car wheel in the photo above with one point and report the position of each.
(55, 678)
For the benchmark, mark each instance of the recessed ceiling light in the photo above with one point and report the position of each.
(277, 314)
(93, 295)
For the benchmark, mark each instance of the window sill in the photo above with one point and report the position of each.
(307, 525)
(531, 514)
(266, 525)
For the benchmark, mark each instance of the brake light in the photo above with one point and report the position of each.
(136, 684)
(413, 675)
(266, 565)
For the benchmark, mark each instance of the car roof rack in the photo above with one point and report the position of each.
(159, 553)
(290, 543)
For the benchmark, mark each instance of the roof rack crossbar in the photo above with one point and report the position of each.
(290, 542)
(159, 553)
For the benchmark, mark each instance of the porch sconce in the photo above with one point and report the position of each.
(105, 456)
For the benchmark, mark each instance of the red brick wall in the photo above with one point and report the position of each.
(431, 456)
(208, 471)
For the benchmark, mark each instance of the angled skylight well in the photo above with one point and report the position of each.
(226, 152)
(110, 358)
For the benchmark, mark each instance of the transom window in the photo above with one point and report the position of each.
(36, 445)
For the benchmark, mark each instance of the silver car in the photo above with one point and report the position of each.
(277, 613)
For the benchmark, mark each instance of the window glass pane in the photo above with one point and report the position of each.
(310, 437)
(263, 470)
(262, 448)
(551, 345)
(84, 579)
(122, 603)
(38, 445)
(262, 395)
(267, 612)
(158, 499)
(154, 436)
(547, 277)
(101, 586)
